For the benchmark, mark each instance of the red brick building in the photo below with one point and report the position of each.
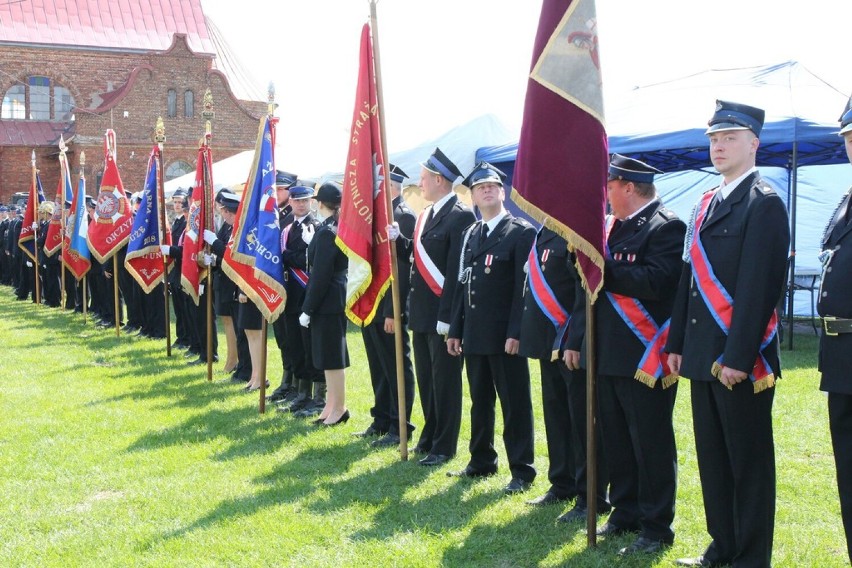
(69, 69)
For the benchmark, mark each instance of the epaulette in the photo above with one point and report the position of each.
(520, 221)
(763, 187)
(667, 214)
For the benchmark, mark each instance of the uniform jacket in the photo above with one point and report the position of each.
(441, 238)
(746, 239)
(835, 299)
(327, 264)
(488, 307)
(176, 252)
(223, 287)
(645, 264)
(537, 331)
(295, 255)
(406, 219)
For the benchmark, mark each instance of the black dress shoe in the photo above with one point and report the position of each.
(434, 459)
(370, 432)
(644, 546)
(516, 485)
(578, 513)
(611, 529)
(420, 450)
(470, 472)
(387, 441)
(698, 562)
(548, 498)
(344, 418)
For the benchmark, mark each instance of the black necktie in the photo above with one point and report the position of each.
(714, 203)
(484, 234)
(431, 215)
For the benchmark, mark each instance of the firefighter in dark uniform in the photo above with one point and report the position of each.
(4, 258)
(283, 182)
(563, 389)
(636, 393)
(175, 250)
(48, 264)
(486, 327)
(305, 396)
(434, 279)
(379, 339)
(835, 347)
(723, 339)
(224, 289)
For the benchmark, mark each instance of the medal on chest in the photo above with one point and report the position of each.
(544, 256)
(489, 258)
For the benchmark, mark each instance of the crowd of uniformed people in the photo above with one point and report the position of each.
(488, 294)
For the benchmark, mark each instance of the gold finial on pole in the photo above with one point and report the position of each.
(82, 161)
(160, 133)
(208, 113)
(33, 159)
(270, 106)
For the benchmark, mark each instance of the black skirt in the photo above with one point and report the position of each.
(248, 316)
(328, 341)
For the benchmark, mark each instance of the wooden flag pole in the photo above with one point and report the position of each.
(591, 447)
(397, 303)
(85, 300)
(115, 294)
(270, 110)
(34, 198)
(160, 138)
(208, 115)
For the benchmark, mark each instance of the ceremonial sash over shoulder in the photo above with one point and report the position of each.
(298, 274)
(425, 266)
(546, 299)
(653, 366)
(721, 305)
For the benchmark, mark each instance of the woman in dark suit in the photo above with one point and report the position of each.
(224, 289)
(324, 305)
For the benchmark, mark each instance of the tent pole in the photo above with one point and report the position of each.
(792, 206)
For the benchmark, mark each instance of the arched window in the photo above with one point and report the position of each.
(177, 169)
(15, 103)
(172, 104)
(188, 104)
(38, 99)
(63, 104)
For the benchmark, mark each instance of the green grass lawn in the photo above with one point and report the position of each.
(112, 454)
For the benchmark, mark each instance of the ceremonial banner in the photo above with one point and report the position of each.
(363, 210)
(253, 258)
(26, 240)
(64, 192)
(110, 228)
(561, 167)
(191, 271)
(144, 259)
(75, 248)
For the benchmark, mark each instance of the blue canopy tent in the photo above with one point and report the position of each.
(663, 124)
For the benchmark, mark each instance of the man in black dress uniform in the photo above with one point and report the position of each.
(636, 395)
(835, 346)
(434, 279)
(723, 339)
(554, 295)
(4, 257)
(486, 326)
(379, 339)
(175, 250)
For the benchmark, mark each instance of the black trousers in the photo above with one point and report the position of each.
(636, 422)
(440, 388)
(840, 422)
(563, 394)
(279, 328)
(381, 357)
(736, 463)
(52, 293)
(153, 308)
(506, 377)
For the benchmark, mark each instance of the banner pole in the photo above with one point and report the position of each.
(160, 138)
(34, 205)
(115, 294)
(85, 300)
(208, 115)
(591, 447)
(63, 168)
(397, 303)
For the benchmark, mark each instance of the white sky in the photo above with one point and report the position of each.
(445, 62)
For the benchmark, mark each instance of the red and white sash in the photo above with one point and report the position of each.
(425, 266)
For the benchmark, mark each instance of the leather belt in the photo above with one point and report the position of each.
(836, 326)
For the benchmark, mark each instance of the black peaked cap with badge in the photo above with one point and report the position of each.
(630, 169)
(484, 172)
(396, 173)
(440, 164)
(285, 179)
(736, 116)
(846, 119)
(329, 192)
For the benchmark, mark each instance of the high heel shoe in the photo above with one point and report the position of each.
(342, 420)
(318, 421)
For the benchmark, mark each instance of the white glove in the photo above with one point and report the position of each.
(209, 236)
(209, 259)
(35, 226)
(442, 328)
(304, 320)
(527, 267)
(164, 249)
(393, 231)
(29, 264)
(308, 235)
